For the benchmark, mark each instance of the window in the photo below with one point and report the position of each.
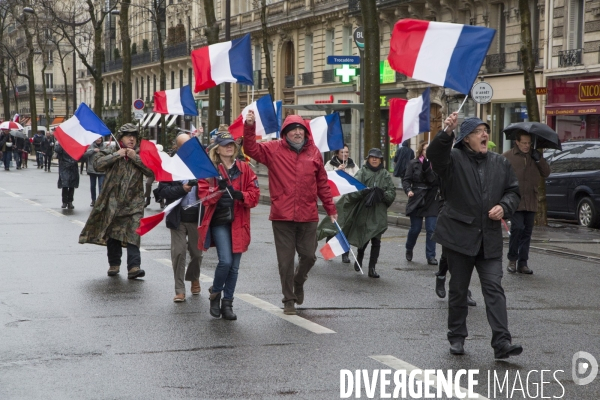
(141, 89)
(329, 44)
(49, 81)
(50, 104)
(49, 56)
(502, 29)
(148, 95)
(172, 79)
(153, 85)
(347, 41)
(190, 77)
(137, 89)
(257, 58)
(272, 55)
(564, 161)
(308, 53)
(180, 78)
(575, 24)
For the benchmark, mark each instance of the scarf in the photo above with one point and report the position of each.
(372, 168)
(296, 146)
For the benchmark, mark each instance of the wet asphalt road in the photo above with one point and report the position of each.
(67, 331)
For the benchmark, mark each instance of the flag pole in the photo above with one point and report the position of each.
(116, 141)
(252, 101)
(357, 263)
(459, 108)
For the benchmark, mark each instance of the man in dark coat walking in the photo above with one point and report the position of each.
(403, 155)
(480, 189)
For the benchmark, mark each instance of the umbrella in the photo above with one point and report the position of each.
(542, 135)
(11, 125)
(19, 134)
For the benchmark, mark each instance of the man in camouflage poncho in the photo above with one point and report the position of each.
(120, 206)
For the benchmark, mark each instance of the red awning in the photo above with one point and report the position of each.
(57, 121)
(573, 109)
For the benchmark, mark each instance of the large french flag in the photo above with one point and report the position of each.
(223, 62)
(175, 102)
(441, 53)
(408, 118)
(149, 223)
(327, 132)
(190, 162)
(336, 246)
(79, 131)
(265, 115)
(342, 183)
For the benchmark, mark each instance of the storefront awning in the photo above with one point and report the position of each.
(57, 121)
(573, 109)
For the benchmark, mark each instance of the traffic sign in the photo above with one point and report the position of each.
(139, 114)
(139, 104)
(219, 113)
(359, 37)
(343, 59)
(482, 92)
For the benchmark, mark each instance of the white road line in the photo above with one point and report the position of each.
(55, 213)
(143, 249)
(168, 263)
(278, 312)
(11, 194)
(76, 222)
(31, 202)
(398, 364)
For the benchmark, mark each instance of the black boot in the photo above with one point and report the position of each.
(70, 205)
(64, 205)
(375, 248)
(470, 301)
(147, 202)
(215, 303)
(345, 258)
(359, 257)
(440, 286)
(226, 310)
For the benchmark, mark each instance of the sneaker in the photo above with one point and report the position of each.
(511, 267)
(432, 261)
(289, 308)
(179, 298)
(508, 350)
(113, 270)
(195, 287)
(92, 203)
(457, 349)
(409, 255)
(136, 272)
(524, 269)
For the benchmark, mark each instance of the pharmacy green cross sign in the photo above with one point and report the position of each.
(345, 73)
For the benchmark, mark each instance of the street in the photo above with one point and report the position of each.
(68, 331)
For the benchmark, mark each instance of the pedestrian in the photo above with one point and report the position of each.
(25, 153)
(47, 150)
(7, 142)
(422, 186)
(120, 206)
(480, 188)
(529, 166)
(183, 224)
(403, 155)
(38, 138)
(68, 178)
(83, 161)
(18, 150)
(96, 178)
(297, 178)
(226, 222)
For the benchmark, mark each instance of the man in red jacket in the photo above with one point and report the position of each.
(296, 178)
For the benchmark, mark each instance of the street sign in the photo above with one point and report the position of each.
(219, 113)
(139, 104)
(343, 59)
(359, 38)
(345, 73)
(139, 114)
(482, 92)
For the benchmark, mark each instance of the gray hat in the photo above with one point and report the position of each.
(468, 126)
(374, 152)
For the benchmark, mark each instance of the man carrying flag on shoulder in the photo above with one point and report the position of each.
(117, 212)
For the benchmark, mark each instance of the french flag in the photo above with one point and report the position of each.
(265, 115)
(342, 183)
(175, 102)
(79, 131)
(190, 162)
(441, 53)
(336, 246)
(408, 118)
(327, 132)
(149, 223)
(223, 62)
(16, 118)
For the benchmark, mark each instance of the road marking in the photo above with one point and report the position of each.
(55, 213)
(11, 194)
(278, 312)
(76, 222)
(31, 202)
(143, 249)
(398, 364)
(168, 263)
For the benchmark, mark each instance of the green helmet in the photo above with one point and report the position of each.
(128, 129)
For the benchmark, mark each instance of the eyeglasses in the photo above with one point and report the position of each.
(481, 130)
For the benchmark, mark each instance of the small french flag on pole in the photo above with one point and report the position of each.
(441, 53)
(342, 183)
(408, 118)
(327, 132)
(190, 162)
(175, 102)
(79, 131)
(149, 223)
(336, 246)
(265, 116)
(223, 62)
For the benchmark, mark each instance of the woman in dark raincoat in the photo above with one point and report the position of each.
(362, 215)
(422, 187)
(68, 176)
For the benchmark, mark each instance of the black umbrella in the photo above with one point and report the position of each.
(542, 135)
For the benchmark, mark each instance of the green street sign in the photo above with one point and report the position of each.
(386, 73)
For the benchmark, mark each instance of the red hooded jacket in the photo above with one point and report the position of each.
(295, 179)
(247, 183)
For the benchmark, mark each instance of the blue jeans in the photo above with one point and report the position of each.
(39, 158)
(6, 158)
(416, 223)
(93, 178)
(226, 273)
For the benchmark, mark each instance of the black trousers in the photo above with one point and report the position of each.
(375, 248)
(521, 228)
(67, 194)
(47, 161)
(443, 265)
(490, 276)
(114, 251)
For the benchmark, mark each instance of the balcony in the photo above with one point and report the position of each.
(328, 75)
(177, 50)
(495, 62)
(354, 5)
(140, 59)
(536, 59)
(115, 65)
(290, 81)
(307, 78)
(569, 58)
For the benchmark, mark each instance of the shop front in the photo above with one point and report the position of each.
(573, 108)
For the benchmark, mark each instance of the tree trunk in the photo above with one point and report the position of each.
(265, 40)
(214, 94)
(4, 87)
(370, 75)
(45, 96)
(533, 111)
(64, 74)
(98, 59)
(126, 100)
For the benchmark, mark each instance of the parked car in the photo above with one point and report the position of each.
(573, 187)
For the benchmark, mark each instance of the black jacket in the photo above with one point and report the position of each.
(403, 155)
(425, 185)
(473, 184)
(172, 191)
(47, 146)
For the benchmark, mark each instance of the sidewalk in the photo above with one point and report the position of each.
(559, 237)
